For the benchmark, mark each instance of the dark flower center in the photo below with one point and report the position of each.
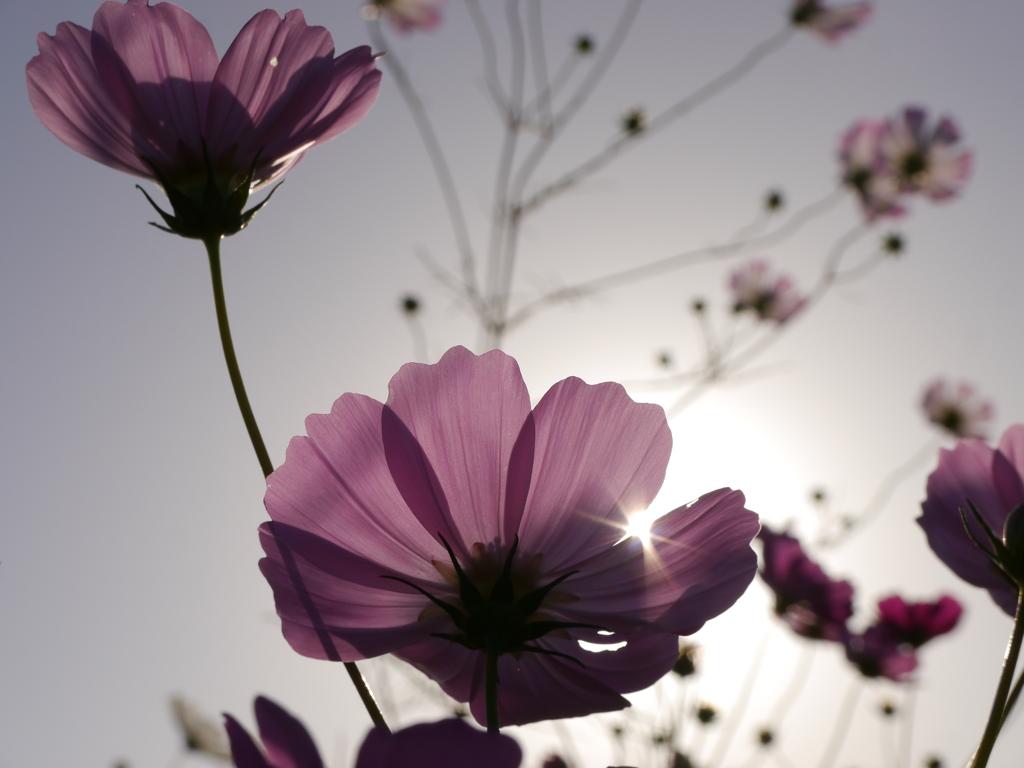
(914, 165)
(498, 622)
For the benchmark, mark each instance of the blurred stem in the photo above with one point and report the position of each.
(213, 251)
(842, 724)
(491, 691)
(1000, 705)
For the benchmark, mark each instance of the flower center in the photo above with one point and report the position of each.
(495, 617)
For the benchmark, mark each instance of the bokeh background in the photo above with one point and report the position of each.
(131, 495)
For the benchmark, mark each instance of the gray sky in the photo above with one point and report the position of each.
(127, 534)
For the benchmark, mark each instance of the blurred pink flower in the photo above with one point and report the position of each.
(927, 159)
(406, 15)
(830, 23)
(444, 744)
(866, 171)
(143, 92)
(914, 624)
(877, 654)
(957, 408)
(814, 605)
(990, 479)
(454, 518)
(756, 289)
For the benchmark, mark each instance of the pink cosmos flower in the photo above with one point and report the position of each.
(957, 408)
(144, 92)
(813, 605)
(830, 23)
(866, 170)
(914, 624)
(992, 481)
(877, 654)
(926, 158)
(756, 289)
(406, 15)
(454, 523)
(444, 744)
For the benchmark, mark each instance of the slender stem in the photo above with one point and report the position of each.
(842, 724)
(1014, 694)
(491, 691)
(724, 740)
(213, 251)
(999, 704)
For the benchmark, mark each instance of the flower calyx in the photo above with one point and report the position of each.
(214, 212)
(499, 622)
(1006, 553)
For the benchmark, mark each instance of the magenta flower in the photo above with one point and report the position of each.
(829, 23)
(914, 624)
(957, 408)
(756, 289)
(444, 744)
(867, 172)
(406, 15)
(877, 654)
(454, 526)
(143, 92)
(285, 739)
(927, 159)
(992, 481)
(813, 605)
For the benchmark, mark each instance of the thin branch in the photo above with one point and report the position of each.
(487, 49)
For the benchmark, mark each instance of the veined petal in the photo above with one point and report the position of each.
(157, 63)
(599, 456)
(71, 100)
(446, 744)
(286, 740)
(466, 413)
(244, 751)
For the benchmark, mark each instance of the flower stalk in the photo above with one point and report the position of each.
(213, 251)
(1001, 704)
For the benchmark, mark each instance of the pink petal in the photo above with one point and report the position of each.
(286, 740)
(157, 64)
(598, 458)
(445, 744)
(71, 100)
(244, 751)
(466, 413)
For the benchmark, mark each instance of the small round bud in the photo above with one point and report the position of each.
(584, 45)
(686, 664)
(887, 708)
(679, 760)
(893, 243)
(634, 122)
(819, 495)
(707, 713)
(698, 306)
(410, 305)
(774, 200)
(933, 762)
(765, 737)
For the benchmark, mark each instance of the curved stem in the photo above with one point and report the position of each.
(842, 724)
(724, 740)
(213, 251)
(999, 704)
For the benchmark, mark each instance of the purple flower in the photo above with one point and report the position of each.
(992, 481)
(914, 624)
(957, 408)
(814, 605)
(830, 23)
(406, 15)
(143, 92)
(756, 289)
(927, 159)
(877, 654)
(866, 170)
(454, 522)
(444, 744)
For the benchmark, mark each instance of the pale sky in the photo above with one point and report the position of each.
(128, 543)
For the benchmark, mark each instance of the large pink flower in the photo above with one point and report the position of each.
(992, 481)
(957, 408)
(926, 158)
(866, 170)
(455, 520)
(755, 288)
(144, 92)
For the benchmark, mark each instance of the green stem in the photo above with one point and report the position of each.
(999, 704)
(491, 691)
(213, 251)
